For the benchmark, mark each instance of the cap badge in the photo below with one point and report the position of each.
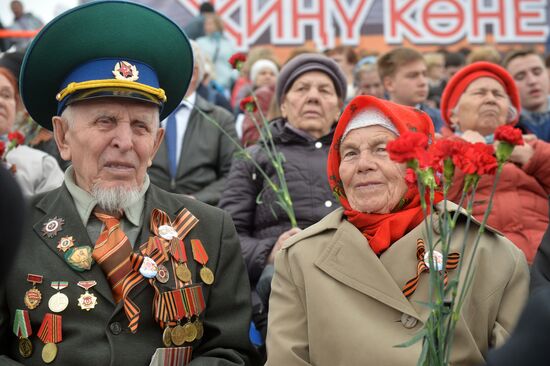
(125, 71)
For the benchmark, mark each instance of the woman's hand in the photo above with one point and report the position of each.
(522, 153)
(279, 244)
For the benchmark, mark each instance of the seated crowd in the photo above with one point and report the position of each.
(339, 262)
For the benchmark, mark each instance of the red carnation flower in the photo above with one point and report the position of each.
(410, 178)
(17, 137)
(2, 148)
(509, 134)
(476, 158)
(237, 60)
(248, 104)
(408, 146)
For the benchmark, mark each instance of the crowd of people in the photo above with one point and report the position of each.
(148, 187)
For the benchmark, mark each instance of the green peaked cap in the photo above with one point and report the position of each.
(104, 30)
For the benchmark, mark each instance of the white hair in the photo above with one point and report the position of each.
(198, 58)
(115, 199)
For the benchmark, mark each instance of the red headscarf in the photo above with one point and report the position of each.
(381, 230)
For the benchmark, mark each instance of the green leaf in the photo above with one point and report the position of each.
(415, 339)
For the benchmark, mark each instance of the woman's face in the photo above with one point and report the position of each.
(483, 107)
(372, 181)
(210, 25)
(265, 77)
(311, 104)
(7, 105)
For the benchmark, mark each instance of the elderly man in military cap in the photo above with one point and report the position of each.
(115, 271)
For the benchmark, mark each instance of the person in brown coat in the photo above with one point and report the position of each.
(337, 290)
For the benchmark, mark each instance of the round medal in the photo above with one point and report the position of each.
(25, 347)
(200, 328)
(190, 332)
(58, 302)
(49, 352)
(183, 273)
(437, 260)
(206, 275)
(32, 298)
(167, 232)
(162, 274)
(167, 337)
(148, 268)
(178, 335)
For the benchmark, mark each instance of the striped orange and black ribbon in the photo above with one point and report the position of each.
(156, 253)
(50, 329)
(412, 284)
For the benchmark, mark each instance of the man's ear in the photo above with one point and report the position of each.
(158, 142)
(60, 134)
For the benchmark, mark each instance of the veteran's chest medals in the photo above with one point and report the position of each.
(33, 296)
(178, 252)
(59, 301)
(22, 329)
(87, 301)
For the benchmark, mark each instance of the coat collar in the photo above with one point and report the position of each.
(348, 259)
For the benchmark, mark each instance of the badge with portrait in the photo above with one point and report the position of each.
(175, 356)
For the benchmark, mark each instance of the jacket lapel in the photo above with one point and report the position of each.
(59, 204)
(349, 259)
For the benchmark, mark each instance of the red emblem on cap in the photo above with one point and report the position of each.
(125, 71)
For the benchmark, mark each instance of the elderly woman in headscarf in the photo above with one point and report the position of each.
(478, 99)
(310, 89)
(338, 294)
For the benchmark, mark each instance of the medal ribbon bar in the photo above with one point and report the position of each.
(22, 324)
(50, 329)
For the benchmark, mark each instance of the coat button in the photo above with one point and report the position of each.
(318, 144)
(116, 328)
(408, 321)
(328, 203)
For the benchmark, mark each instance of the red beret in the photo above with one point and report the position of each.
(464, 77)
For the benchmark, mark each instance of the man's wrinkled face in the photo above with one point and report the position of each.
(111, 142)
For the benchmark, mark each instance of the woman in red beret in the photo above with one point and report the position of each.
(478, 99)
(339, 293)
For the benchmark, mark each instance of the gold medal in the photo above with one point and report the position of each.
(178, 335)
(25, 347)
(49, 352)
(200, 328)
(167, 337)
(206, 275)
(183, 273)
(32, 298)
(190, 332)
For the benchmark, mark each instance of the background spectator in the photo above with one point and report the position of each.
(23, 21)
(478, 99)
(403, 73)
(532, 79)
(346, 57)
(367, 81)
(486, 53)
(311, 89)
(195, 28)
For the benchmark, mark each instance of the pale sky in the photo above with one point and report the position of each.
(43, 9)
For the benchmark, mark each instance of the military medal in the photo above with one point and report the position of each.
(200, 255)
(167, 337)
(200, 328)
(177, 250)
(51, 227)
(65, 243)
(148, 268)
(79, 258)
(50, 333)
(33, 296)
(167, 232)
(437, 260)
(162, 274)
(22, 329)
(178, 335)
(87, 301)
(58, 302)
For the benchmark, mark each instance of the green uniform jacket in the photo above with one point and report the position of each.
(100, 336)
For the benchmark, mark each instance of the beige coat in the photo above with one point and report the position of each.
(334, 302)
